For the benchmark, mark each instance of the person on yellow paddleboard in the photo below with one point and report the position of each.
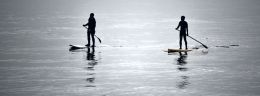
(183, 32)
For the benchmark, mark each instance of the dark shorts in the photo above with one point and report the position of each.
(182, 33)
(91, 31)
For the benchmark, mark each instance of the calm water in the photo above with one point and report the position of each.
(35, 59)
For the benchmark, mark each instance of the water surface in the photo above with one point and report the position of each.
(35, 57)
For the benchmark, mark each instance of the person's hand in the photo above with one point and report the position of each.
(176, 28)
(187, 34)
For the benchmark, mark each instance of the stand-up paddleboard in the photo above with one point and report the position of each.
(75, 47)
(178, 50)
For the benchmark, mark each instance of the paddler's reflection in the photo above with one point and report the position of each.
(181, 61)
(91, 54)
(91, 64)
(91, 58)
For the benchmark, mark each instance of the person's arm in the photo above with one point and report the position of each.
(187, 30)
(178, 26)
(84, 25)
(94, 23)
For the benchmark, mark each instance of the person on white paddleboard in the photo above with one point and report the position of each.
(183, 31)
(91, 29)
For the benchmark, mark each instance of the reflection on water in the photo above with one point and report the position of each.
(92, 62)
(184, 82)
(181, 62)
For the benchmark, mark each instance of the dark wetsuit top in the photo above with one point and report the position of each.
(184, 26)
(91, 25)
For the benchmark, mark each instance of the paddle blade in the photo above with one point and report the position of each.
(99, 40)
(205, 46)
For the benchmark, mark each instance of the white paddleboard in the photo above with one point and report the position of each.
(178, 50)
(75, 47)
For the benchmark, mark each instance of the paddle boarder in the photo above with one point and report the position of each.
(183, 32)
(91, 29)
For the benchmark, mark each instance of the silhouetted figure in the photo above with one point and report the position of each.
(91, 29)
(184, 28)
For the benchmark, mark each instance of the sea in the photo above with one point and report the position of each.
(131, 60)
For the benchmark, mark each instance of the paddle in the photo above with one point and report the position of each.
(96, 36)
(98, 39)
(197, 41)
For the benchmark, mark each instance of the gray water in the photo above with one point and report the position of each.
(35, 59)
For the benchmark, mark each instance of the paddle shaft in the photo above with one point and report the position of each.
(199, 42)
(96, 36)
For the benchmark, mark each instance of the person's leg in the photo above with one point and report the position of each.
(93, 39)
(88, 36)
(180, 42)
(185, 40)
